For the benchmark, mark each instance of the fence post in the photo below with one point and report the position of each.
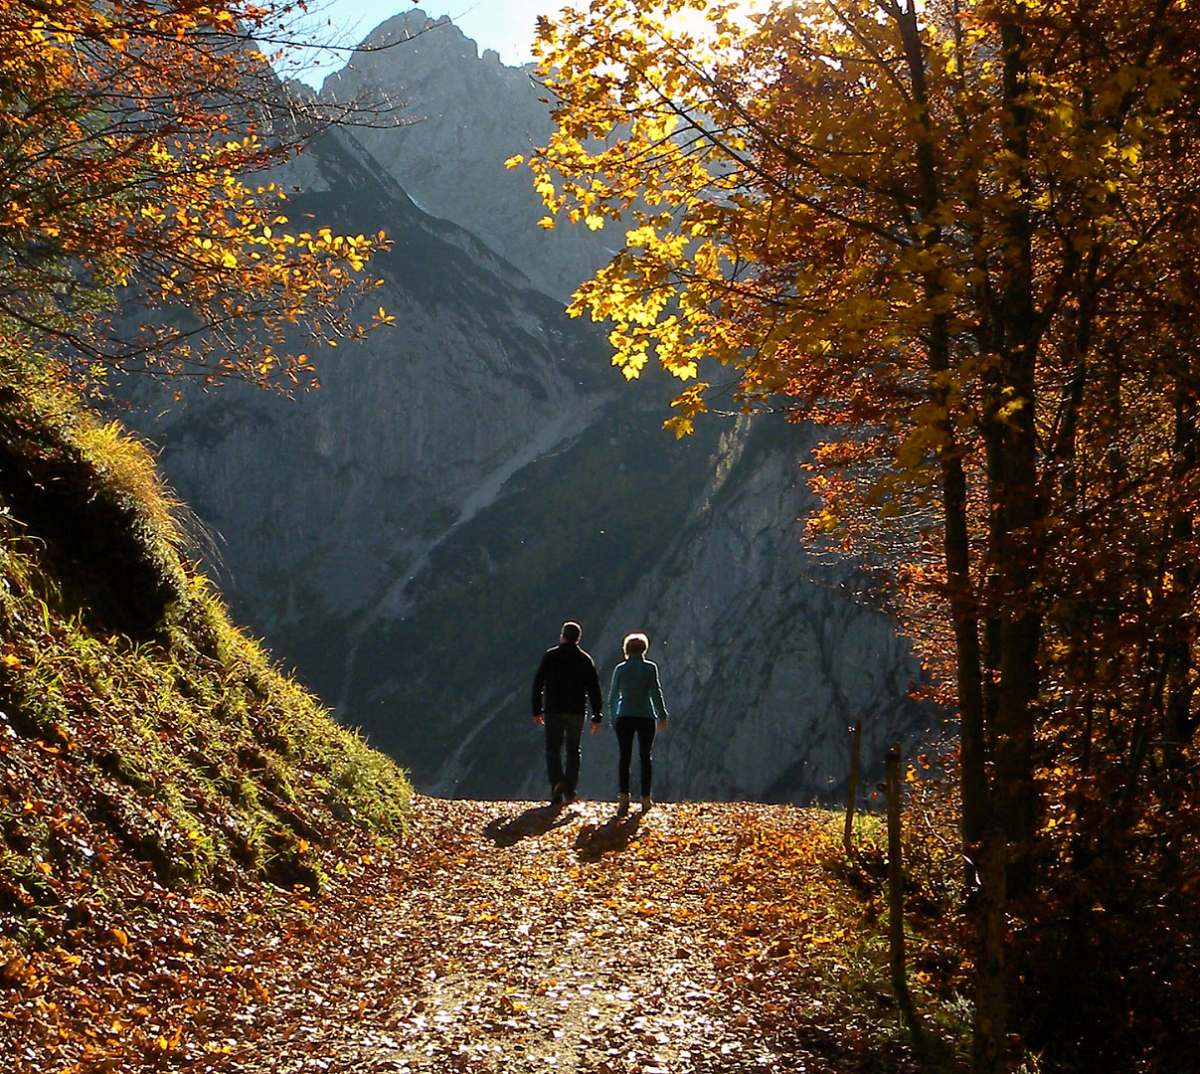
(852, 789)
(896, 902)
(990, 1047)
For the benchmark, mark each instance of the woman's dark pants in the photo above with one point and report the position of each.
(627, 727)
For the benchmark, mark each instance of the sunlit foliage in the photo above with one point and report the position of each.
(129, 133)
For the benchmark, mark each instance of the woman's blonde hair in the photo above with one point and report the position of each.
(636, 643)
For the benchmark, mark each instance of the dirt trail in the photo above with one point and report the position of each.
(516, 938)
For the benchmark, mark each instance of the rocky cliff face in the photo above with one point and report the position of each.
(459, 117)
(765, 661)
(328, 503)
(770, 660)
(411, 536)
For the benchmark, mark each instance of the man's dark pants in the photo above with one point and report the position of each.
(563, 729)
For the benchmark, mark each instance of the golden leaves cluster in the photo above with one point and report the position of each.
(789, 204)
(761, 172)
(128, 131)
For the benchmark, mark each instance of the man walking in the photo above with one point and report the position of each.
(565, 685)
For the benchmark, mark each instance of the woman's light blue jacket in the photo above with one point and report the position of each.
(635, 690)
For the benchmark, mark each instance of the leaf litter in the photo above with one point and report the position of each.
(496, 936)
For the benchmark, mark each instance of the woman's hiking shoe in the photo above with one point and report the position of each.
(622, 803)
(646, 802)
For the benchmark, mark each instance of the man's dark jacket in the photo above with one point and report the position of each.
(566, 681)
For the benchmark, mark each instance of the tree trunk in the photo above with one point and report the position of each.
(852, 788)
(991, 1007)
(1179, 722)
(1015, 489)
(956, 534)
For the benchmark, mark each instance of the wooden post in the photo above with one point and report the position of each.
(896, 902)
(852, 789)
(990, 1044)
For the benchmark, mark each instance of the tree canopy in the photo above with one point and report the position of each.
(130, 132)
(961, 234)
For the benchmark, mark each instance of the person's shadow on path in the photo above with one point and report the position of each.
(506, 831)
(616, 833)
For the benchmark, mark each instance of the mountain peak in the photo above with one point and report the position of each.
(458, 117)
(415, 24)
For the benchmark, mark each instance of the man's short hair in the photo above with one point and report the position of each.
(571, 631)
(636, 643)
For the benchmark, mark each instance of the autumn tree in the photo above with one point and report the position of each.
(962, 236)
(130, 135)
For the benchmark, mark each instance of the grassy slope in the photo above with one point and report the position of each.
(146, 744)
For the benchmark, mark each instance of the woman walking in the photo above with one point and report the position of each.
(636, 703)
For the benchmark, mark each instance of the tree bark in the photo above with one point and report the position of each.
(1015, 490)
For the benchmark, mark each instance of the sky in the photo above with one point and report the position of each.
(504, 25)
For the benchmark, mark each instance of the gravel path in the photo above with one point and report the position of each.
(497, 938)
(534, 940)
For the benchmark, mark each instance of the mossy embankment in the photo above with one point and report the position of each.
(146, 744)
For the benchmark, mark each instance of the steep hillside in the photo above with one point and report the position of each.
(146, 744)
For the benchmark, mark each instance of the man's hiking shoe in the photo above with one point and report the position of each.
(559, 795)
(622, 804)
(569, 797)
(646, 802)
